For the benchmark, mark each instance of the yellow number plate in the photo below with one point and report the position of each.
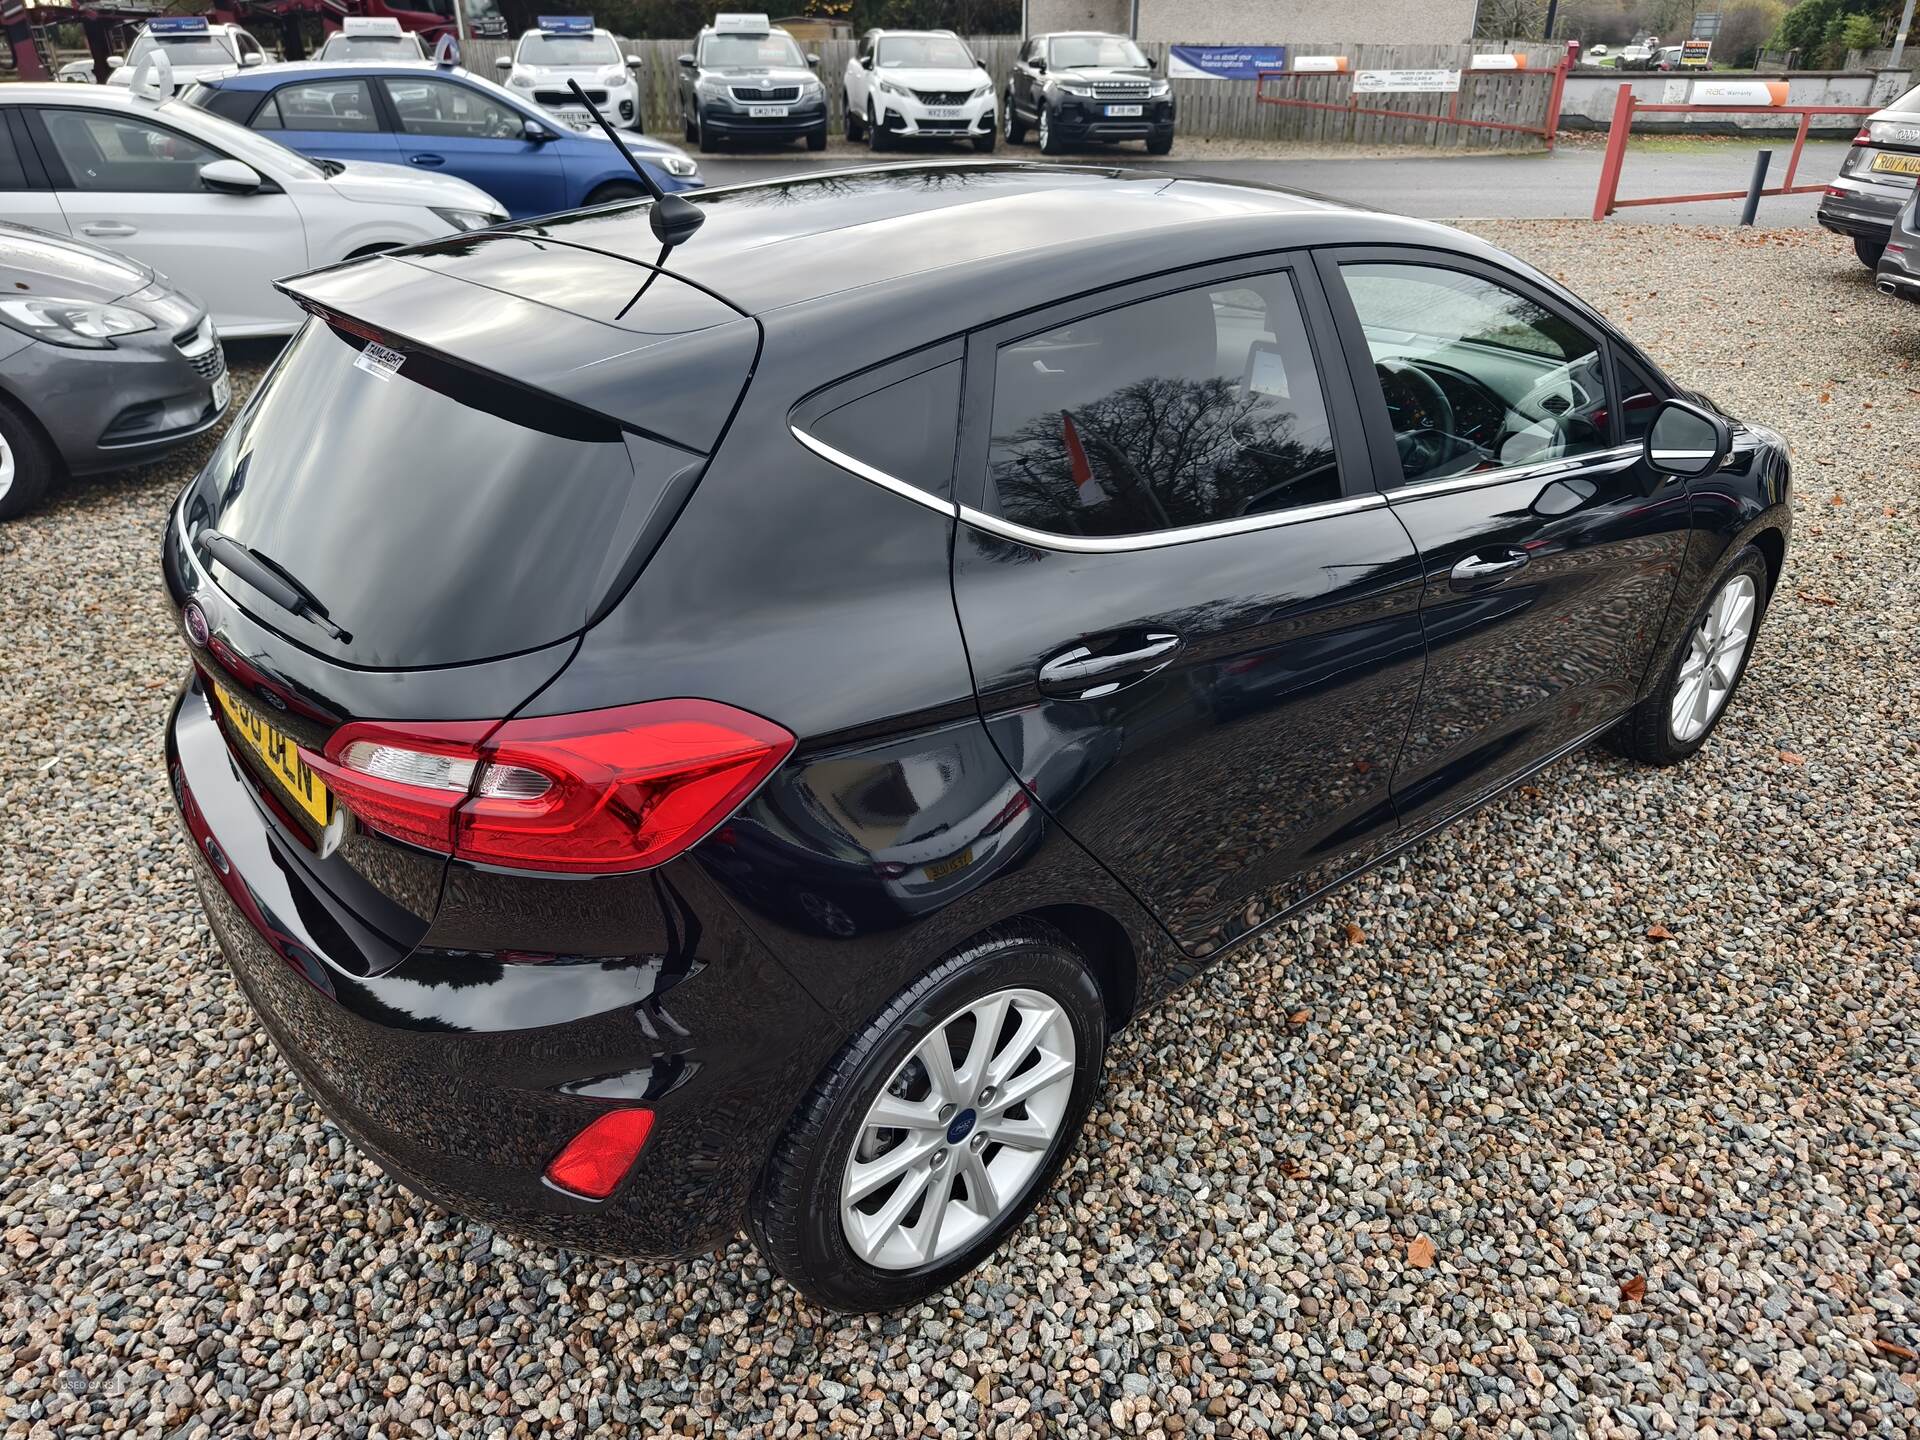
(940, 869)
(309, 792)
(1898, 164)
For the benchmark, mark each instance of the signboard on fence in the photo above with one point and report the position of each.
(1319, 64)
(1384, 82)
(1223, 62)
(1738, 92)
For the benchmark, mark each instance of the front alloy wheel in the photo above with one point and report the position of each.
(1715, 652)
(1048, 144)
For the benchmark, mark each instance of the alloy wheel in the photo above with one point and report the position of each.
(7, 466)
(959, 1131)
(1006, 119)
(1712, 663)
(1046, 130)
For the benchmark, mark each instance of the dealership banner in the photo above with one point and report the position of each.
(1223, 62)
(1381, 82)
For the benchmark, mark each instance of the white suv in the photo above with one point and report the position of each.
(194, 48)
(909, 84)
(568, 47)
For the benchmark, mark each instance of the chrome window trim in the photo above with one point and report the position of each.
(1084, 544)
(1600, 460)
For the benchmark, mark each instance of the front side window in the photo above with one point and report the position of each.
(335, 105)
(753, 52)
(449, 111)
(1105, 52)
(1476, 376)
(106, 152)
(1185, 409)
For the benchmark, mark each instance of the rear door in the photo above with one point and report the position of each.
(449, 128)
(1193, 622)
(132, 184)
(332, 119)
(1549, 551)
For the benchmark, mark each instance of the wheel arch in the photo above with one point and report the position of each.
(1772, 545)
(1107, 948)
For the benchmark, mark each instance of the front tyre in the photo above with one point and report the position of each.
(877, 136)
(27, 462)
(1012, 127)
(1687, 706)
(1050, 142)
(709, 142)
(938, 1127)
(817, 139)
(1160, 144)
(983, 144)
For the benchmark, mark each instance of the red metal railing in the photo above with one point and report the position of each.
(1607, 199)
(1546, 129)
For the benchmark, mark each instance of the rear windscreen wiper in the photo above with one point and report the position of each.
(269, 579)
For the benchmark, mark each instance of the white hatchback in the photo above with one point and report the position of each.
(220, 210)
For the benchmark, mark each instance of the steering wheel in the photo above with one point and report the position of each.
(1422, 415)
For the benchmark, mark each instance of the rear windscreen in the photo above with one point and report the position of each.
(438, 515)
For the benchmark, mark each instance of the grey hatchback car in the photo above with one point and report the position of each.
(102, 364)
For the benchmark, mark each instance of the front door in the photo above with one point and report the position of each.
(1550, 552)
(1193, 622)
(447, 128)
(133, 185)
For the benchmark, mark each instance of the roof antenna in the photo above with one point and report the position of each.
(673, 218)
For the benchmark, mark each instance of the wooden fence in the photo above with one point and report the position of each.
(1210, 109)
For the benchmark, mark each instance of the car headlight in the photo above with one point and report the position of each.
(467, 219)
(614, 77)
(1160, 89)
(893, 87)
(680, 165)
(1081, 90)
(520, 82)
(83, 324)
(980, 90)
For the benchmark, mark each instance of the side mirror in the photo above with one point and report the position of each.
(687, 61)
(534, 133)
(866, 62)
(1153, 62)
(503, 64)
(116, 61)
(1686, 441)
(813, 61)
(252, 58)
(1040, 65)
(633, 62)
(229, 177)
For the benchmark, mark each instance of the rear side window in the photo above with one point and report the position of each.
(342, 106)
(12, 175)
(439, 515)
(449, 111)
(1200, 406)
(903, 425)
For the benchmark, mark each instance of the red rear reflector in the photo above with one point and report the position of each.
(599, 1157)
(1865, 137)
(602, 791)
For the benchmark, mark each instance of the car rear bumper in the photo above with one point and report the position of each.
(462, 1073)
(1860, 208)
(1898, 276)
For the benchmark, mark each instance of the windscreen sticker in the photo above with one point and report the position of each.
(379, 362)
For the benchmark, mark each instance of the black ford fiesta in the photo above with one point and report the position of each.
(723, 738)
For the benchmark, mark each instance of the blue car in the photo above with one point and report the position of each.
(445, 120)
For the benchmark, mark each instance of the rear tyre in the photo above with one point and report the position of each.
(27, 462)
(1011, 125)
(614, 190)
(1049, 137)
(967, 1089)
(983, 144)
(1869, 251)
(817, 139)
(1692, 697)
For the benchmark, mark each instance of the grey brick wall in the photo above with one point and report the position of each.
(1235, 22)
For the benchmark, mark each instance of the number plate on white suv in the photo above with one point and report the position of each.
(945, 112)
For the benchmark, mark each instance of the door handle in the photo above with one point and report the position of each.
(1080, 673)
(109, 227)
(427, 159)
(1488, 568)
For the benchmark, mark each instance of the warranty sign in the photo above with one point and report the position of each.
(1382, 82)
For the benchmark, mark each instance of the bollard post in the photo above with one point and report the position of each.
(1755, 186)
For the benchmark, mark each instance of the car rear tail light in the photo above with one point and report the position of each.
(1865, 137)
(599, 1157)
(597, 792)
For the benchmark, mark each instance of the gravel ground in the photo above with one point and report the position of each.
(1596, 1116)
